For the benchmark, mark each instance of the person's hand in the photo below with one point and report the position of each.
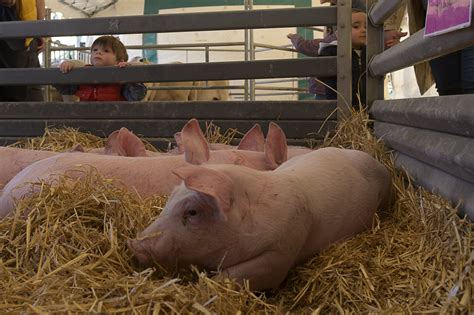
(8, 3)
(66, 66)
(41, 44)
(291, 35)
(122, 64)
(392, 37)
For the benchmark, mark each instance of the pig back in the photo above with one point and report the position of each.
(343, 189)
(13, 160)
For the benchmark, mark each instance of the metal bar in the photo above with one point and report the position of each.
(279, 88)
(274, 47)
(282, 68)
(251, 53)
(382, 10)
(262, 81)
(273, 94)
(47, 57)
(375, 45)
(450, 114)
(207, 87)
(162, 46)
(206, 53)
(450, 153)
(318, 29)
(180, 46)
(226, 87)
(158, 127)
(417, 48)
(344, 58)
(275, 110)
(433, 179)
(246, 57)
(165, 23)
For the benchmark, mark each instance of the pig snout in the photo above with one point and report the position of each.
(140, 253)
(151, 249)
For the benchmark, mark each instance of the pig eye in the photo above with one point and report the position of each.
(189, 215)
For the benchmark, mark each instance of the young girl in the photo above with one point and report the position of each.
(358, 37)
(105, 51)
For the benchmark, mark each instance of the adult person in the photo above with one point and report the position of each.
(452, 73)
(21, 52)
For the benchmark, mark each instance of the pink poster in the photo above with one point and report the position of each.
(444, 16)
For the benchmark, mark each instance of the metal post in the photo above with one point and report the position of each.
(375, 45)
(246, 54)
(251, 54)
(206, 52)
(344, 58)
(47, 57)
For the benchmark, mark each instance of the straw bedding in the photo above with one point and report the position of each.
(69, 254)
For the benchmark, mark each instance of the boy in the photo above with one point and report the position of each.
(105, 51)
(359, 38)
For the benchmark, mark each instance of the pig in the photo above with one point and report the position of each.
(13, 160)
(256, 225)
(120, 142)
(145, 175)
(123, 142)
(253, 140)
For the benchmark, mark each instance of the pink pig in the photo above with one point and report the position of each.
(13, 160)
(145, 175)
(253, 140)
(120, 142)
(257, 144)
(257, 225)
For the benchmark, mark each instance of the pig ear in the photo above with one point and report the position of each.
(196, 147)
(77, 148)
(124, 143)
(179, 143)
(276, 148)
(253, 140)
(212, 183)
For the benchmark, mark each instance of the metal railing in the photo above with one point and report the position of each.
(432, 137)
(59, 52)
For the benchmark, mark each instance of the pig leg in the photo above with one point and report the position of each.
(267, 270)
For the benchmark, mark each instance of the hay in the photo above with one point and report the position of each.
(60, 139)
(213, 134)
(70, 255)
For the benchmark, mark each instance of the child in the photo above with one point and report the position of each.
(359, 38)
(105, 51)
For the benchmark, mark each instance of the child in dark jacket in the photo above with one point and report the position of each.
(359, 37)
(105, 51)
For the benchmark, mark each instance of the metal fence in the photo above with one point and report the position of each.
(432, 137)
(299, 119)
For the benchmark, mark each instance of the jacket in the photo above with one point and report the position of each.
(358, 76)
(100, 92)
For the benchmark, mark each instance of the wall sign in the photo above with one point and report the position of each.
(444, 16)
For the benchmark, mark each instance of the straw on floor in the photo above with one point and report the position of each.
(69, 254)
